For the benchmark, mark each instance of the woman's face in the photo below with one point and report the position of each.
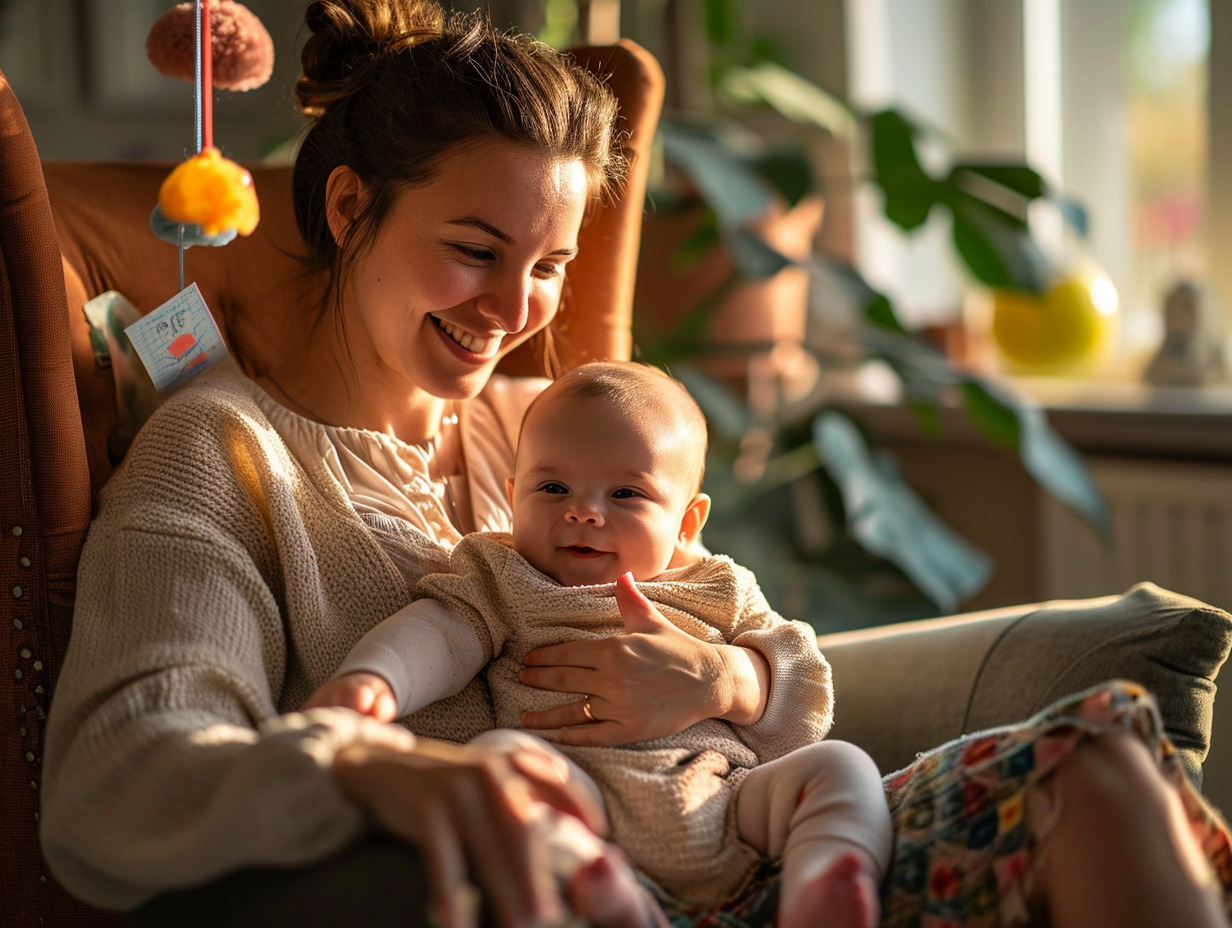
(463, 268)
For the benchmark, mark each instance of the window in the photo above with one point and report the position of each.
(1107, 98)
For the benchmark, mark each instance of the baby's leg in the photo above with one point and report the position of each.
(598, 882)
(823, 810)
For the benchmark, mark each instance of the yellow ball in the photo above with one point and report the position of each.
(1068, 329)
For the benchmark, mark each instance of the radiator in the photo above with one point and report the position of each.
(1171, 523)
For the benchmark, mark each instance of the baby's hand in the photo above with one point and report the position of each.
(364, 692)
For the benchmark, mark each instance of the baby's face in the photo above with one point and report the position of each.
(596, 495)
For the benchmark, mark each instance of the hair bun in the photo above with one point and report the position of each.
(350, 37)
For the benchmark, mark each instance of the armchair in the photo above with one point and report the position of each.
(69, 231)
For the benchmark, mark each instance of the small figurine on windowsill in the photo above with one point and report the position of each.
(1192, 350)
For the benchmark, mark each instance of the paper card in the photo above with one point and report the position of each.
(178, 340)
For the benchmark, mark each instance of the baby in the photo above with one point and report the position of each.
(607, 485)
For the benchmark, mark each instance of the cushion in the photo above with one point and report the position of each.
(902, 689)
(1171, 644)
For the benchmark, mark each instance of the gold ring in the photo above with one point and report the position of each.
(590, 716)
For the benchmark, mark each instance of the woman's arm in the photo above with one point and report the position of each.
(157, 778)
(167, 763)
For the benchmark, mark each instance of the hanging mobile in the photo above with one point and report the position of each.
(206, 199)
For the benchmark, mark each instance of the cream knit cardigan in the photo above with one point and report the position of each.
(221, 582)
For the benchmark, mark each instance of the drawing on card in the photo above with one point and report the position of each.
(178, 340)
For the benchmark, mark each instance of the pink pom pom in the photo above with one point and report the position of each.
(243, 52)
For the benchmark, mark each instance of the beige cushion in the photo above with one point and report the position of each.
(902, 689)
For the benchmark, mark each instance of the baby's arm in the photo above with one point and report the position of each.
(366, 693)
(418, 655)
(800, 705)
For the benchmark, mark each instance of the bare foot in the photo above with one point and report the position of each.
(844, 895)
(605, 893)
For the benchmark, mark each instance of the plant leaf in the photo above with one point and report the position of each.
(1017, 178)
(996, 247)
(909, 192)
(1075, 214)
(798, 99)
(995, 418)
(928, 415)
(720, 19)
(754, 258)
(725, 412)
(1059, 469)
(923, 369)
(1047, 457)
(880, 312)
(979, 253)
(696, 245)
(724, 179)
(889, 519)
(787, 170)
(687, 336)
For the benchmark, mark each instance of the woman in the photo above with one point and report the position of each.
(258, 529)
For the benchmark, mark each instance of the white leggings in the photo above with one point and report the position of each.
(807, 806)
(811, 805)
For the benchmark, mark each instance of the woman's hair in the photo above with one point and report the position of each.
(641, 393)
(393, 86)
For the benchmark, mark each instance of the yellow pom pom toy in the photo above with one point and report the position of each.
(210, 191)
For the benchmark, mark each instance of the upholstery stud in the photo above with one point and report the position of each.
(24, 562)
(17, 624)
(25, 652)
(17, 592)
(17, 530)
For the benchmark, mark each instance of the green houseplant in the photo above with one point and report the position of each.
(727, 174)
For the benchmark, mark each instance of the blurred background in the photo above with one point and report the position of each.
(870, 482)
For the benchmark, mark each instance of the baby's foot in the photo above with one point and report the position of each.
(605, 894)
(844, 895)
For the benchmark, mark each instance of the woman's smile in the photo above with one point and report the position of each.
(482, 347)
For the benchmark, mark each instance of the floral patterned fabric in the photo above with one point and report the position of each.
(962, 854)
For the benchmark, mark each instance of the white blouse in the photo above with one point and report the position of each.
(446, 487)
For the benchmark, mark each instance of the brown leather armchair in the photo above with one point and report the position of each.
(69, 231)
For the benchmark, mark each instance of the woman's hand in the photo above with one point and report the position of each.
(475, 815)
(654, 680)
